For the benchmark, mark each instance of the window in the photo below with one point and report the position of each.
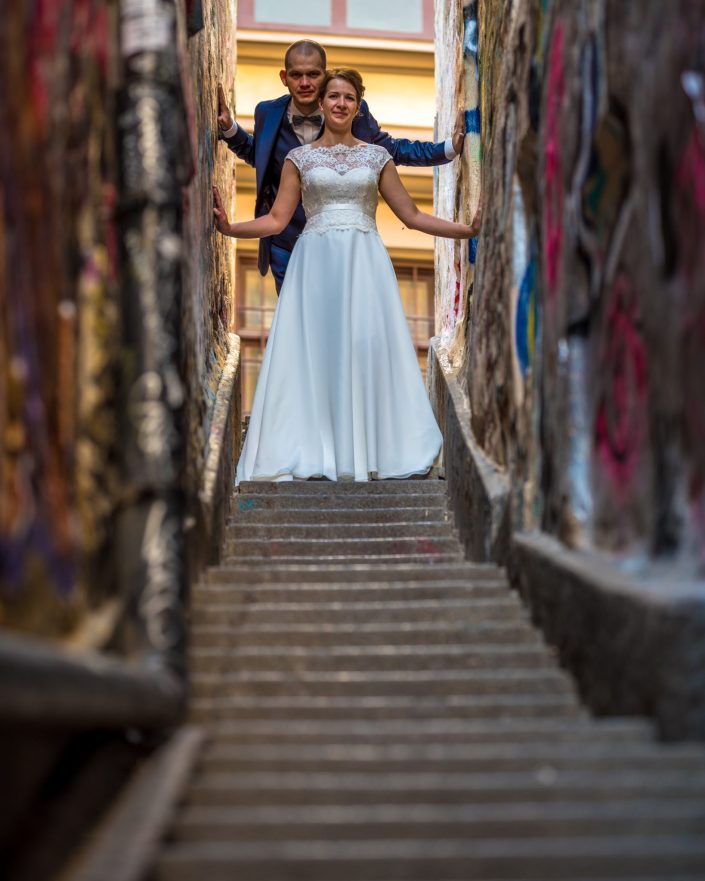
(404, 16)
(416, 289)
(392, 18)
(257, 300)
(305, 12)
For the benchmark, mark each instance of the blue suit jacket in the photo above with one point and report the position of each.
(256, 149)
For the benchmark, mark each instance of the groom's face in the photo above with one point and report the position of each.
(303, 77)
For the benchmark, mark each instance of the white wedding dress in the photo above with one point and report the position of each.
(339, 393)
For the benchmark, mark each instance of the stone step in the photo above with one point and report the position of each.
(342, 488)
(429, 821)
(243, 614)
(283, 502)
(318, 515)
(426, 546)
(359, 573)
(335, 562)
(575, 731)
(343, 788)
(449, 706)
(403, 860)
(547, 760)
(408, 633)
(208, 593)
(294, 659)
(366, 683)
(332, 530)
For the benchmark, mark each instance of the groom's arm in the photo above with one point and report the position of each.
(241, 142)
(406, 152)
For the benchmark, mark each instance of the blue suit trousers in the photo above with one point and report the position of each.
(278, 261)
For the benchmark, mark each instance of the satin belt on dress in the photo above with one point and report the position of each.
(343, 215)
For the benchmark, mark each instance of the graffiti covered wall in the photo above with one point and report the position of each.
(115, 292)
(210, 263)
(59, 327)
(584, 345)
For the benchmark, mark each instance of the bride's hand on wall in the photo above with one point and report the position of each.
(476, 222)
(222, 224)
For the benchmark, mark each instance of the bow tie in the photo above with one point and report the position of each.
(314, 119)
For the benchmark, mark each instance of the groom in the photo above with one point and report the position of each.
(295, 119)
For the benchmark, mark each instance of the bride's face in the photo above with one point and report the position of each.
(339, 105)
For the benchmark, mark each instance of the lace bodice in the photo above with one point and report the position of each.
(339, 185)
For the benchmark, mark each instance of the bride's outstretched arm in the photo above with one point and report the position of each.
(401, 203)
(269, 224)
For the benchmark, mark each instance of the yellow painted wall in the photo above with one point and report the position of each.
(400, 101)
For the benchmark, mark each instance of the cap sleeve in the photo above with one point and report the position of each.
(383, 157)
(296, 157)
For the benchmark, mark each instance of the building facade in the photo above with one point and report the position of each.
(392, 47)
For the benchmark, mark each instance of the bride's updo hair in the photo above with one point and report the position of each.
(343, 73)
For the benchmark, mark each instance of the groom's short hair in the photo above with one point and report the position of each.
(305, 47)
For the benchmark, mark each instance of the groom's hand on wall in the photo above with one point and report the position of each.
(225, 119)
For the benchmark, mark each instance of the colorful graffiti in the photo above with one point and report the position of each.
(553, 171)
(689, 216)
(586, 326)
(524, 287)
(604, 189)
(621, 421)
(59, 265)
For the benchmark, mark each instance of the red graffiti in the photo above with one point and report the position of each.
(553, 183)
(456, 301)
(620, 427)
(42, 46)
(690, 182)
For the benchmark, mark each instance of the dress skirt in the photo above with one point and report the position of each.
(340, 393)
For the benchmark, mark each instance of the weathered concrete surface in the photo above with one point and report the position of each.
(635, 647)
(478, 489)
(206, 524)
(583, 329)
(209, 270)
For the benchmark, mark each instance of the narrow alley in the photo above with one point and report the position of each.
(492, 670)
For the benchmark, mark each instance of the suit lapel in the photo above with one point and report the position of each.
(267, 137)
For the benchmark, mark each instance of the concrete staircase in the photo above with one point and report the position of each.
(379, 709)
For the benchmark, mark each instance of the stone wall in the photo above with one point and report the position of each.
(59, 312)
(585, 313)
(210, 258)
(116, 295)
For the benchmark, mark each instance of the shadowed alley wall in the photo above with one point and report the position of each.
(581, 341)
(75, 230)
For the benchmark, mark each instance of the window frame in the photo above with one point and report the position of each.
(338, 25)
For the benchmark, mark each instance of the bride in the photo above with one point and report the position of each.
(339, 393)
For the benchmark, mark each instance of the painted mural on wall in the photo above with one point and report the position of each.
(59, 324)
(586, 331)
(112, 327)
